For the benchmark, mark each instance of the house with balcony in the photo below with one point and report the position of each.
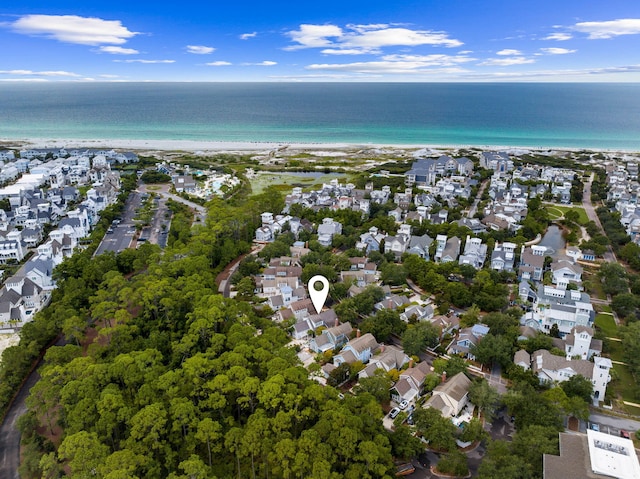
(475, 253)
(555, 369)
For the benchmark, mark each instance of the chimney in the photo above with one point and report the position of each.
(337, 322)
(443, 378)
(358, 333)
(410, 363)
(382, 348)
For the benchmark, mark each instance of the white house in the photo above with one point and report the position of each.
(475, 252)
(450, 397)
(359, 349)
(551, 368)
(327, 229)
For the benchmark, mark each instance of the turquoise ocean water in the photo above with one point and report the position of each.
(597, 116)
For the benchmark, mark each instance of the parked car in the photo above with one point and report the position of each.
(625, 434)
(403, 405)
(595, 427)
(394, 413)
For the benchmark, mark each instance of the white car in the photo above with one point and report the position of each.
(403, 405)
(394, 412)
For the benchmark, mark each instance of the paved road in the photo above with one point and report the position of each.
(613, 424)
(10, 435)
(124, 232)
(163, 190)
(474, 206)
(609, 256)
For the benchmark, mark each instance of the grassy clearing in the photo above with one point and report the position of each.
(556, 212)
(624, 386)
(285, 182)
(607, 325)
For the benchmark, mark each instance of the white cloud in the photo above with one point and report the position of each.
(219, 63)
(559, 36)
(556, 51)
(314, 36)
(34, 80)
(137, 60)
(556, 73)
(265, 63)
(55, 73)
(364, 38)
(247, 36)
(107, 75)
(505, 62)
(509, 51)
(430, 60)
(74, 29)
(118, 50)
(385, 67)
(609, 29)
(345, 51)
(200, 49)
(401, 64)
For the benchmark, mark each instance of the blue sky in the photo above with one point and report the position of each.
(328, 40)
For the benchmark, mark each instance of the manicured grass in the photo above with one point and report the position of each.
(607, 325)
(557, 212)
(624, 385)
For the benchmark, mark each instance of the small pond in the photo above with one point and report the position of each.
(554, 241)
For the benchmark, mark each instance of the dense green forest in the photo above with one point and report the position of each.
(173, 380)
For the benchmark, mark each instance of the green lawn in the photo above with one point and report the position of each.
(624, 386)
(284, 182)
(557, 212)
(607, 325)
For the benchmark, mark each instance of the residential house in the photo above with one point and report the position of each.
(359, 349)
(497, 161)
(475, 253)
(327, 318)
(580, 343)
(417, 312)
(409, 385)
(392, 302)
(11, 247)
(451, 250)
(184, 184)
(450, 397)
(467, 339)
(553, 369)
(532, 263)
(565, 272)
(331, 338)
(565, 308)
(370, 241)
(327, 230)
(503, 256)
(594, 455)
(446, 324)
(420, 245)
(388, 358)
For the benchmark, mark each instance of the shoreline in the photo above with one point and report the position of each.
(201, 147)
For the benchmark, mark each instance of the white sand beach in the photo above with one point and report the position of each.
(210, 147)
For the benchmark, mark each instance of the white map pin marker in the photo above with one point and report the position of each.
(318, 297)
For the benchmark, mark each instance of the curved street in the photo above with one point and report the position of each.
(9, 433)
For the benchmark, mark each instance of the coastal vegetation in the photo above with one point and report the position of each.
(156, 375)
